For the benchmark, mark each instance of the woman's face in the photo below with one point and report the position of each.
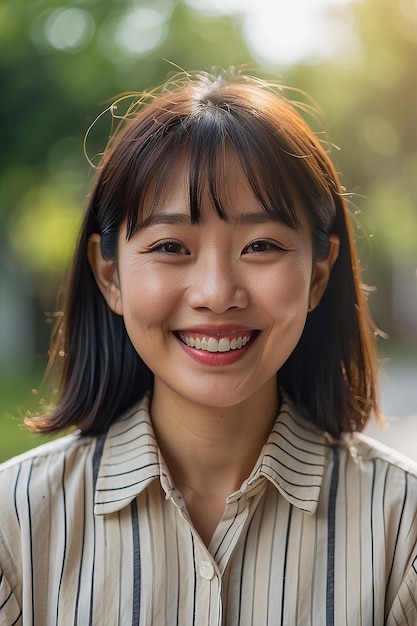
(214, 308)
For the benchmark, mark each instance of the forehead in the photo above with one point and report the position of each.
(225, 187)
(225, 181)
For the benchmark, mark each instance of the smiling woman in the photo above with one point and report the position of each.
(178, 282)
(217, 355)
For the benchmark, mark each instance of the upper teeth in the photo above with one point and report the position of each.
(211, 344)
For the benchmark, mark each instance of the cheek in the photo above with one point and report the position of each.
(289, 287)
(287, 301)
(147, 297)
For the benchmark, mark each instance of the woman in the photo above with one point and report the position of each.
(219, 363)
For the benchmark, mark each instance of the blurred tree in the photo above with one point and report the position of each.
(59, 66)
(370, 101)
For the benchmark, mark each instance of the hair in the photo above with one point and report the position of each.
(331, 374)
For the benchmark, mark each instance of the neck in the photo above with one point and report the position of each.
(206, 446)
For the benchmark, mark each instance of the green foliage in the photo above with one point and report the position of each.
(370, 101)
(43, 230)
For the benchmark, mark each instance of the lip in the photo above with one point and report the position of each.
(217, 345)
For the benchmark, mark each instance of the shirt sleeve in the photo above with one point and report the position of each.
(403, 611)
(10, 551)
(10, 611)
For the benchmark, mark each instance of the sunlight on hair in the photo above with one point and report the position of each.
(127, 105)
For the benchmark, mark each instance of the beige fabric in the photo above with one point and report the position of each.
(92, 531)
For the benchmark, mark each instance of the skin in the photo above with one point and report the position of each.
(175, 282)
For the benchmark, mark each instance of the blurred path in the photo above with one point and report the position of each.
(398, 391)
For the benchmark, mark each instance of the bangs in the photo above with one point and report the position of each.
(202, 144)
(204, 130)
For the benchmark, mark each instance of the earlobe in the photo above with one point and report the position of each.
(322, 272)
(105, 273)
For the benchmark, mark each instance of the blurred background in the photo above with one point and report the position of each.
(62, 64)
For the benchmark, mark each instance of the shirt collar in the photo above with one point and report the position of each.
(293, 460)
(129, 461)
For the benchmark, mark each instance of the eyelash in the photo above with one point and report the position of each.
(163, 245)
(268, 246)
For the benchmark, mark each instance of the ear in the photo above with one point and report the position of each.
(105, 273)
(321, 272)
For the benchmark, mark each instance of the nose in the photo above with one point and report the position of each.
(218, 285)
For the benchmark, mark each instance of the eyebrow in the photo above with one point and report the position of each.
(166, 218)
(185, 218)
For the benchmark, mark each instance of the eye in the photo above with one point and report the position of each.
(169, 247)
(262, 245)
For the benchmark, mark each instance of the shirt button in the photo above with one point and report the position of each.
(206, 570)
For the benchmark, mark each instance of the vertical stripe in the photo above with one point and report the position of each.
(284, 573)
(136, 565)
(195, 584)
(270, 607)
(64, 539)
(373, 540)
(79, 589)
(248, 570)
(243, 561)
(398, 527)
(98, 451)
(87, 506)
(15, 494)
(32, 541)
(331, 517)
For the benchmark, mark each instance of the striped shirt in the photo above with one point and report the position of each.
(93, 532)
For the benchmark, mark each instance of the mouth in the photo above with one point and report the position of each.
(207, 342)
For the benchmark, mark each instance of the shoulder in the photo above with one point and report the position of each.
(40, 472)
(380, 477)
(67, 456)
(370, 451)
(45, 453)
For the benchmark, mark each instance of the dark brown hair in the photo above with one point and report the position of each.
(331, 375)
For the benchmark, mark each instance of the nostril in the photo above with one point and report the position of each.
(217, 295)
